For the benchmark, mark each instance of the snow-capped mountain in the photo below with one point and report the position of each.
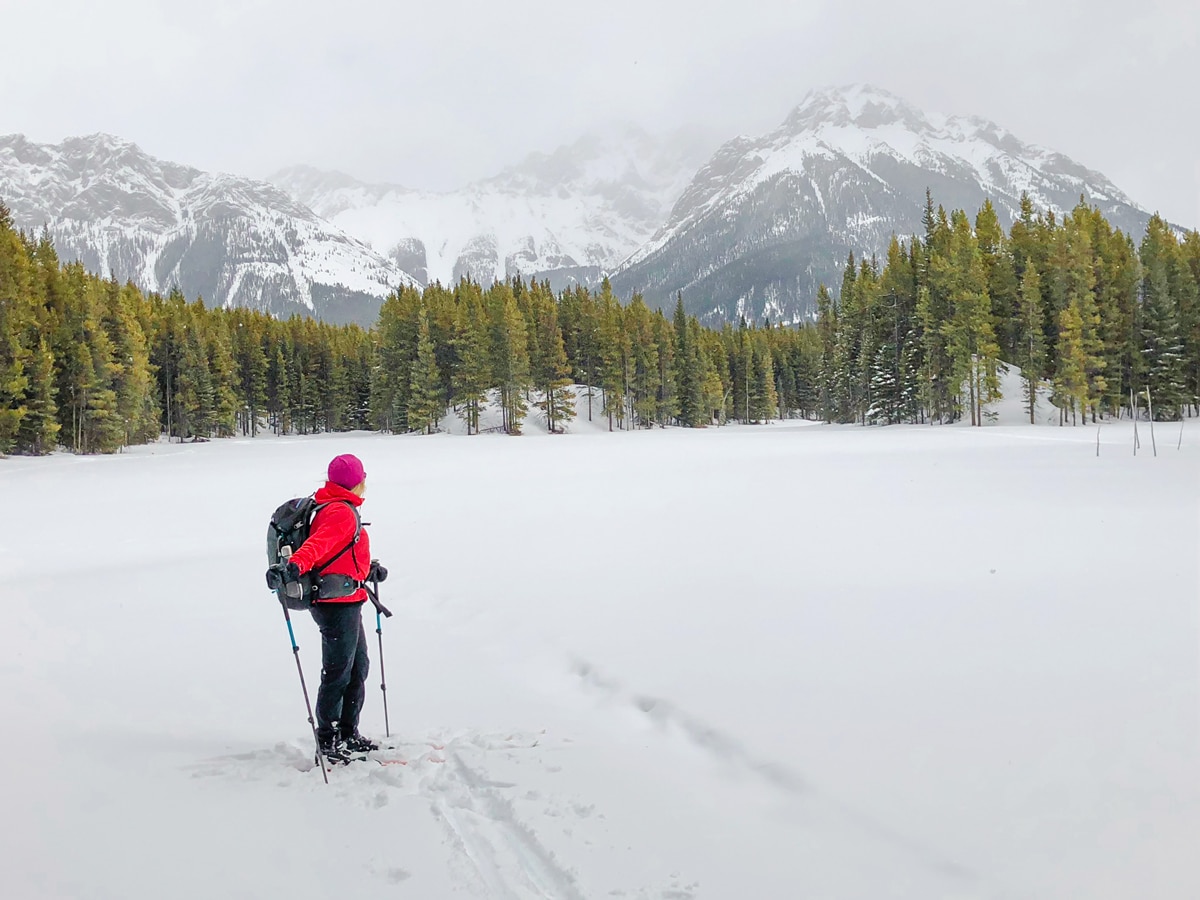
(752, 232)
(567, 216)
(769, 218)
(232, 241)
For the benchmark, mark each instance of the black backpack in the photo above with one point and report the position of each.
(289, 528)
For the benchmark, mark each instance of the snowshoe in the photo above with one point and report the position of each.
(335, 752)
(356, 743)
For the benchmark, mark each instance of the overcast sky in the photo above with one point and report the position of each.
(435, 94)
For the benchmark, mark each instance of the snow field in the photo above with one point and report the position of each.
(781, 661)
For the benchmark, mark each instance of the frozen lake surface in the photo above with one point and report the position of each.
(784, 661)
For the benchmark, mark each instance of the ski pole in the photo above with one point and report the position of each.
(304, 687)
(380, 611)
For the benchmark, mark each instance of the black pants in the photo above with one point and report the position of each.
(344, 667)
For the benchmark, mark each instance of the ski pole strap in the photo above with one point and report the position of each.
(373, 593)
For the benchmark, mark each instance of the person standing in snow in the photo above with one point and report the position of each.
(339, 547)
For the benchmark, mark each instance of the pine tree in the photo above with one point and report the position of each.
(550, 371)
(425, 404)
(827, 331)
(1080, 282)
(689, 378)
(999, 276)
(934, 311)
(251, 362)
(666, 406)
(1070, 381)
(193, 400)
(891, 372)
(472, 375)
(396, 350)
(1162, 341)
(970, 341)
(713, 374)
(580, 325)
(1189, 316)
(222, 374)
(1114, 267)
(764, 400)
(39, 427)
(614, 353)
(846, 394)
(644, 373)
(15, 286)
(510, 355)
(1030, 339)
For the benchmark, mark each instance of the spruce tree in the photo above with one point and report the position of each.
(1189, 316)
(193, 401)
(1070, 380)
(1080, 282)
(689, 377)
(970, 344)
(510, 355)
(425, 404)
(251, 361)
(614, 353)
(712, 366)
(396, 351)
(38, 432)
(1030, 349)
(764, 400)
(667, 403)
(827, 331)
(132, 379)
(1162, 341)
(550, 371)
(643, 362)
(15, 278)
(1000, 277)
(472, 375)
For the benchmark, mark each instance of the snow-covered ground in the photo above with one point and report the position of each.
(765, 662)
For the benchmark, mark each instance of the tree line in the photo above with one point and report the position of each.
(1088, 316)
(92, 365)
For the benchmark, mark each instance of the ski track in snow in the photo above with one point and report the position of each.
(730, 753)
(498, 851)
(505, 853)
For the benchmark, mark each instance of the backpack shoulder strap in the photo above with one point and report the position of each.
(317, 570)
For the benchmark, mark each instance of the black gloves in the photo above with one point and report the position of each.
(378, 572)
(281, 574)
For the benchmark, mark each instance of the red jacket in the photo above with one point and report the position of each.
(332, 529)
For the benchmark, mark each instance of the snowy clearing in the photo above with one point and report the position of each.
(771, 662)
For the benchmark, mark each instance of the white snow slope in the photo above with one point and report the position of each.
(956, 663)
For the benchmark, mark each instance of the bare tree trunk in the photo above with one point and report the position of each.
(971, 393)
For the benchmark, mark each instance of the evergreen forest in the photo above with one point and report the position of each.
(1095, 319)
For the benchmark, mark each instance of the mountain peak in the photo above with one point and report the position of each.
(299, 179)
(232, 240)
(768, 219)
(101, 148)
(860, 105)
(102, 140)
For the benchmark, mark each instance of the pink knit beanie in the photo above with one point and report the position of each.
(347, 470)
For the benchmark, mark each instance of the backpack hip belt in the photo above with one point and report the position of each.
(334, 587)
